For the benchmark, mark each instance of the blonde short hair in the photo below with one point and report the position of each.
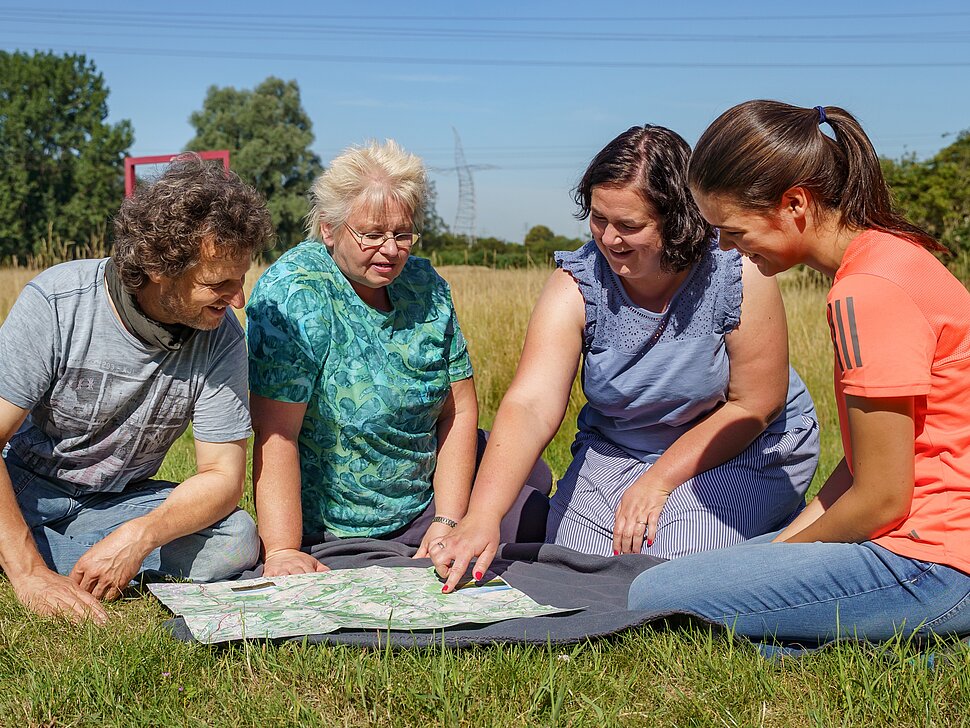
(372, 174)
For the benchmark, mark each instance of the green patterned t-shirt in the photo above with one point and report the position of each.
(374, 383)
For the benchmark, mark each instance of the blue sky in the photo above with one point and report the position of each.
(534, 89)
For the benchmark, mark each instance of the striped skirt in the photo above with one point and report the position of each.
(759, 491)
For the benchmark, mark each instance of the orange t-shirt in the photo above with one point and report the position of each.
(900, 325)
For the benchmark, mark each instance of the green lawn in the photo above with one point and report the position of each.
(131, 673)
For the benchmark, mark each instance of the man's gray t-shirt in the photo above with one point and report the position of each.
(104, 407)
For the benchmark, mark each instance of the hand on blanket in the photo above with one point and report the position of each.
(468, 540)
(637, 516)
(290, 561)
(435, 532)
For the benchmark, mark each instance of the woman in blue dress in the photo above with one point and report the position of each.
(697, 434)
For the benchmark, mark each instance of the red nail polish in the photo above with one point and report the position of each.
(444, 589)
(615, 552)
(478, 576)
(649, 543)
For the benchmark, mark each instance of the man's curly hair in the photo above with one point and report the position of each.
(163, 228)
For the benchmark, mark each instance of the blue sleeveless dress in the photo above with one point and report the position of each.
(648, 378)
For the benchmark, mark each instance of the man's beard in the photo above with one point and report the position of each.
(179, 311)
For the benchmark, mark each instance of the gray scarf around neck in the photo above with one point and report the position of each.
(170, 337)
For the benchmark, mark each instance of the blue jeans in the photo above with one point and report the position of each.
(810, 593)
(66, 523)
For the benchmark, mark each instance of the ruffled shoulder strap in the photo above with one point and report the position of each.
(727, 309)
(584, 265)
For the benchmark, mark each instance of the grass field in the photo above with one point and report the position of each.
(130, 673)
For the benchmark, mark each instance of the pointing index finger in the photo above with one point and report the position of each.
(484, 561)
(455, 573)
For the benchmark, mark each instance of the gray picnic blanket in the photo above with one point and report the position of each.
(595, 586)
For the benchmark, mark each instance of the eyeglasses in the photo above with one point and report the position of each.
(376, 241)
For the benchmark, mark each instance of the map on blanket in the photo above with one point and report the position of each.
(376, 597)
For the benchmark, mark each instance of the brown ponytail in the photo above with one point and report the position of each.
(756, 150)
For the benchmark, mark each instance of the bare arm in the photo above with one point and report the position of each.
(457, 444)
(835, 485)
(758, 387)
(198, 502)
(36, 586)
(883, 438)
(277, 486)
(527, 419)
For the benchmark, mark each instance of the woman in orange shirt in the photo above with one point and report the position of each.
(885, 546)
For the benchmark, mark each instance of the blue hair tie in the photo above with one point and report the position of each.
(821, 115)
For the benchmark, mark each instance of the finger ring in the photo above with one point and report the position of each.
(642, 523)
(441, 544)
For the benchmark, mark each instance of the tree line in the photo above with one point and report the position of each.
(61, 178)
(933, 193)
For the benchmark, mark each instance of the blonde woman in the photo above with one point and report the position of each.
(362, 394)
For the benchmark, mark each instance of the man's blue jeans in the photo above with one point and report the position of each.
(809, 593)
(65, 524)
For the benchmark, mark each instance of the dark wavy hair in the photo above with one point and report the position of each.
(652, 160)
(163, 228)
(757, 150)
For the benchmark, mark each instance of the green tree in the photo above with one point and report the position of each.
(434, 231)
(62, 169)
(933, 193)
(268, 135)
(951, 169)
(537, 235)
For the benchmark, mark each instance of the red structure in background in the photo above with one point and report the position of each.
(132, 162)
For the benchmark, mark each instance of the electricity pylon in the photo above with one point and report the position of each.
(465, 213)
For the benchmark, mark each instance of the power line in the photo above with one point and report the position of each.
(233, 26)
(301, 17)
(485, 62)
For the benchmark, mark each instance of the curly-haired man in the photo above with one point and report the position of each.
(103, 364)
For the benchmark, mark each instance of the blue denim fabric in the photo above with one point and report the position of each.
(65, 524)
(810, 593)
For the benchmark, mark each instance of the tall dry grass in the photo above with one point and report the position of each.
(810, 352)
(493, 308)
(12, 281)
